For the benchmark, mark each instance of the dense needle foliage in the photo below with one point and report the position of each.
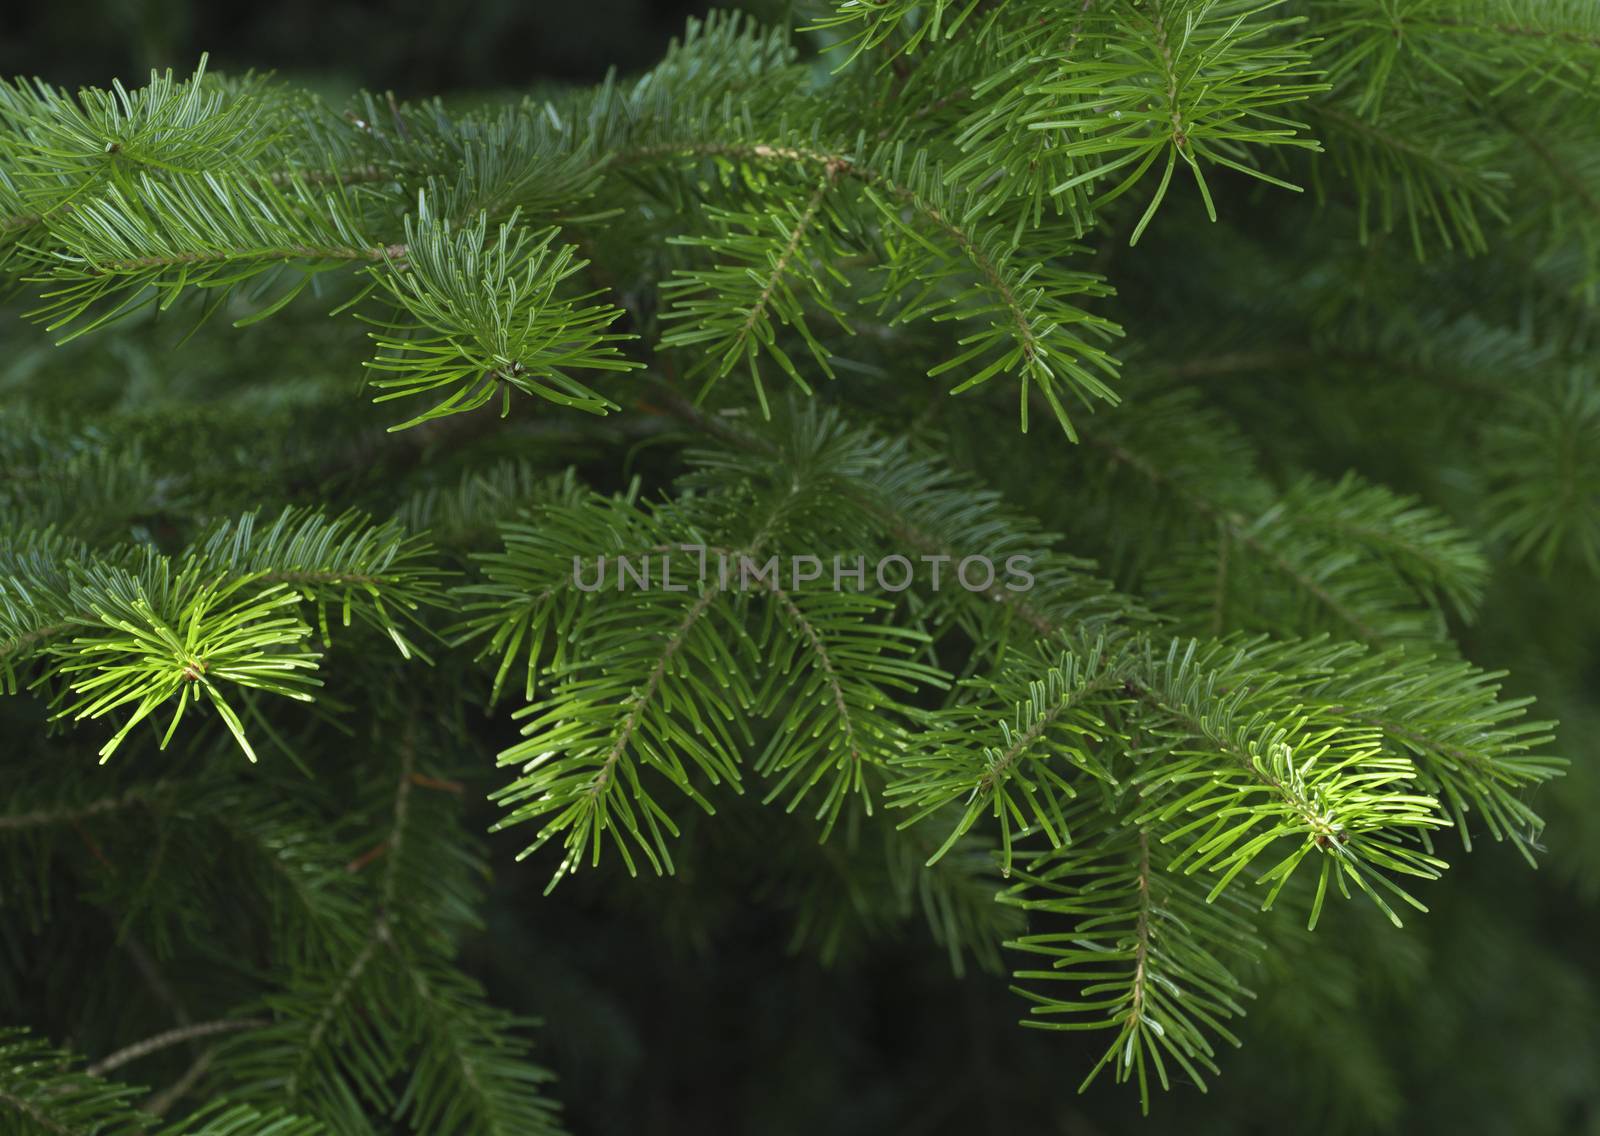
(980, 492)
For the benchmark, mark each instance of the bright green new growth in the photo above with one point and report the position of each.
(1264, 713)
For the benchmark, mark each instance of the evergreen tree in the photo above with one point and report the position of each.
(1052, 480)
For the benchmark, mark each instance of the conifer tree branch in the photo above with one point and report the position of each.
(378, 937)
(636, 705)
(897, 525)
(1141, 938)
(1315, 821)
(177, 1036)
(35, 1115)
(830, 672)
(1145, 765)
(40, 818)
(1236, 529)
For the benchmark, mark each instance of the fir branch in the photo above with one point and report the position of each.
(1037, 334)
(1149, 957)
(68, 814)
(178, 1036)
(1012, 749)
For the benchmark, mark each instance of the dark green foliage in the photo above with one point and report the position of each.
(716, 536)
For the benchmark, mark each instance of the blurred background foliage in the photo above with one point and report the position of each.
(414, 47)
